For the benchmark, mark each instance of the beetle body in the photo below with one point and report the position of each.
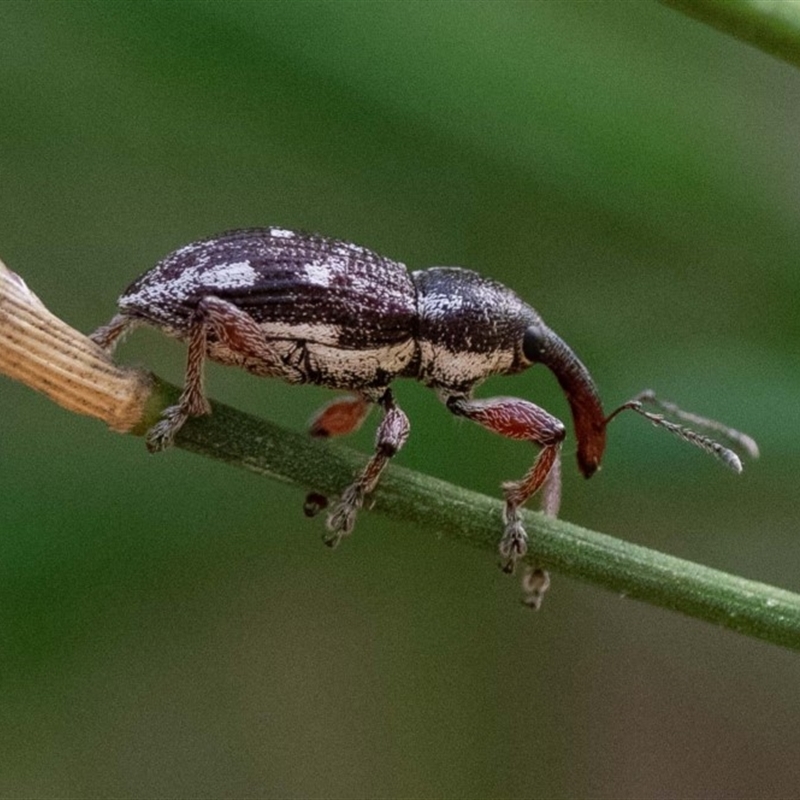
(338, 315)
(309, 309)
(335, 314)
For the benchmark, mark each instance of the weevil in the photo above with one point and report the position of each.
(315, 310)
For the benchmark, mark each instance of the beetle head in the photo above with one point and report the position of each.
(541, 345)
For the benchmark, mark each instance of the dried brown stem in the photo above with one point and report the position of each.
(48, 355)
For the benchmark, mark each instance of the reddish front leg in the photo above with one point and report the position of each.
(519, 419)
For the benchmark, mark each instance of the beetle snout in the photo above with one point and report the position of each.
(589, 464)
(584, 402)
(590, 430)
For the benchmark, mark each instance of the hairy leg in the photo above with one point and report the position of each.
(518, 419)
(391, 436)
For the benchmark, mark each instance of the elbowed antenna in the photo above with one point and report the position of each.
(725, 454)
(584, 402)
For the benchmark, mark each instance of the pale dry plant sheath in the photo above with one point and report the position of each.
(41, 351)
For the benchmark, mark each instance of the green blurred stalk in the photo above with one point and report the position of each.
(751, 608)
(771, 25)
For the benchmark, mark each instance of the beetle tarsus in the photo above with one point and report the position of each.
(314, 503)
(342, 519)
(535, 583)
(514, 543)
(162, 434)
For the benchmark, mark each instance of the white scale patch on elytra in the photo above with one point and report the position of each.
(281, 233)
(163, 294)
(319, 272)
(347, 249)
(190, 248)
(226, 276)
(302, 331)
(150, 295)
(230, 276)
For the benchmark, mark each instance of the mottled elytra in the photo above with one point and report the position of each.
(309, 309)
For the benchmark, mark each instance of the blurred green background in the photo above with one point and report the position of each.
(172, 627)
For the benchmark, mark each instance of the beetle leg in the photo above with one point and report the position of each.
(339, 417)
(391, 436)
(239, 332)
(519, 419)
(110, 335)
(192, 401)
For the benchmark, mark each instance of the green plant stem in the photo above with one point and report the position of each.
(45, 353)
(748, 607)
(771, 25)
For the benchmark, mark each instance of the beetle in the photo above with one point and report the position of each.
(315, 310)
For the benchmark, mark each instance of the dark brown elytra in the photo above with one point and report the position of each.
(310, 309)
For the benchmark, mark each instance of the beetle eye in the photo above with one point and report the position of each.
(533, 343)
